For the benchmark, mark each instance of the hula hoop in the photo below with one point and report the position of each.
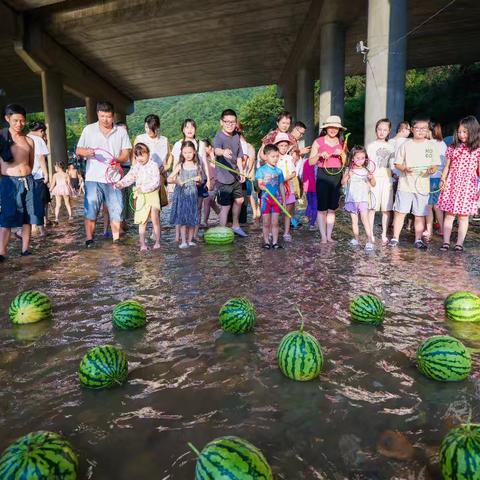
(231, 170)
(133, 200)
(366, 168)
(440, 188)
(114, 171)
(372, 201)
(344, 149)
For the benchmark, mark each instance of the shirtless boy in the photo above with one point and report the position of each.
(19, 206)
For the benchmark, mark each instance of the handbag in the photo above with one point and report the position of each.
(163, 191)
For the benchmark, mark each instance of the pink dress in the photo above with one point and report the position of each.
(460, 195)
(62, 188)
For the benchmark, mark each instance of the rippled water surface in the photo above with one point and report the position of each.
(370, 415)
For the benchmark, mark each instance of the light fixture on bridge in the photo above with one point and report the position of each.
(360, 47)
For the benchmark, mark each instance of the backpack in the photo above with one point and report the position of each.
(5, 142)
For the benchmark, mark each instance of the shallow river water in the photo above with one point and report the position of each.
(370, 415)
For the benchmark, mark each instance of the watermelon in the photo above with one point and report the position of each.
(103, 367)
(238, 315)
(463, 307)
(128, 315)
(444, 358)
(30, 307)
(39, 456)
(231, 458)
(219, 236)
(367, 309)
(299, 356)
(460, 453)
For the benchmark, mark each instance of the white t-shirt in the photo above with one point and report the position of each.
(40, 149)
(382, 154)
(158, 147)
(92, 137)
(176, 150)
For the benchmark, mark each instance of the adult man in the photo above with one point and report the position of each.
(20, 207)
(97, 139)
(228, 151)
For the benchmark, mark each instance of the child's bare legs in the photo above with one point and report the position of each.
(26, 233)
(322, 225)
(371, 217)
(419, 227)
(66, 199)
(58, 204)
(439, 215)
(142, 228)
(355, 230)
(398, 220)
(274, 227)
(190, 233)
(385, 224)
(183, 233)
(155, 217)
(367, 225)
(462, 229)
(428, 234)
(4, 239)
(288, 221)
(330, 225)
(266, 227)
(199, 207)
(177, 233)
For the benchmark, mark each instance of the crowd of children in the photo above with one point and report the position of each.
(413, 174)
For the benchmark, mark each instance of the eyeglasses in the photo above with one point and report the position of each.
(229, 122)
(422, 129)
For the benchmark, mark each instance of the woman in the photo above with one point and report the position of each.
(284, 122)
(76, 180)
(329, 155)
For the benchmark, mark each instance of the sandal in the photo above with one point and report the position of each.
(458, 248)
(266, 246)
(445, 247)
(276, 246)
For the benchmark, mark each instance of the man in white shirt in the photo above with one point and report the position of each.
(97, 139)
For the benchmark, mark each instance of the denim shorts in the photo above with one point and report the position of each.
(20, 205)
(97, 193)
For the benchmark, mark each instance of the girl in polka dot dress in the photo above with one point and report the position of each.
(459, 196)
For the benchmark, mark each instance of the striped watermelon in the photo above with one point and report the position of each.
(128, 315)
(103, 367)
(460, 453)
(367, 309)
(30, 307)
(219, 236)
(231, 458)
(299, 356)
(463, 307)
(39, 456)
(238, 315)
(444, 358)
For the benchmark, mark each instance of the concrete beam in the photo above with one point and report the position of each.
(289, 95)
(305, 102)
(41, 53)
(91, 108)
(332, 70)
(386, 63)
(53, 106)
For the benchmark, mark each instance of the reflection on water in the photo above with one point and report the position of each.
(370, 415)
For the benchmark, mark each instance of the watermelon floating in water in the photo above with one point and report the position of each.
(238, 315)
(39, 456)
(444, 358)
(30, 307)
(460, 453)
(463, 307)
(129, 315)
(103, 367)
(231, 458)
(219, 236)
(299, 356)
(367, 309)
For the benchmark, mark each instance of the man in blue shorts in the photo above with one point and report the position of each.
(97, 141)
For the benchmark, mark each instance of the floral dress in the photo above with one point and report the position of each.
(460, 194)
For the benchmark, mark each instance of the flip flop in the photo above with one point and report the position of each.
(458, 248)
(445, 247)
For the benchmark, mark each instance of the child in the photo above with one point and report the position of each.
(380, 153)
(358, 180)
(62, 189)
(286, 165)
(186, 175)
(460, 180)
(146, 175)
(271, 177)
(416, 160)
(76, 179)
(209, 202)
(309, 187)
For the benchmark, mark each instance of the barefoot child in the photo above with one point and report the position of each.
(358, 180)
(270, 177)
(287, 166)
(186, 175)
(146, 175)
(380, 153)
(61, 188)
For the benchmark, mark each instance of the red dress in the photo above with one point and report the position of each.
(460, 195)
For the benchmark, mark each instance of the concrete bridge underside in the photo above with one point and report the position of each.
(125, 50)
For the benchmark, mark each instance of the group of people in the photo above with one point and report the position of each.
(413, 173)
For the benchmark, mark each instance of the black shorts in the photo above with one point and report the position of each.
(227, 193)
(328, 190)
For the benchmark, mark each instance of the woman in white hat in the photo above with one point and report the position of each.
(329, 154)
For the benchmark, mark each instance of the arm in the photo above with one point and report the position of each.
(128, 179)
(400, 161)
(447, 165)
(31, 154)
(54, 181)
(43, 167)
(124, 155)
(371, 180)
(282, 193)
(240, 169)
(314, 155)
(172, 178)
(346, 177)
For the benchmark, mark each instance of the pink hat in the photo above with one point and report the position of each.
(282, 137)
